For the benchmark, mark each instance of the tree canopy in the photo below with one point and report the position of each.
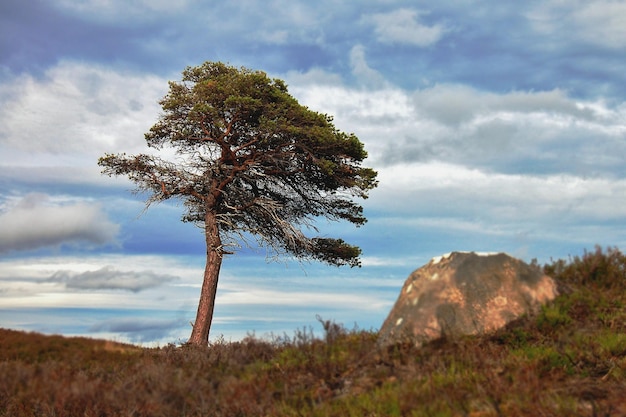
(248, 160)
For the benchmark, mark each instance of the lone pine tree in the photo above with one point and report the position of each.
(249, 161)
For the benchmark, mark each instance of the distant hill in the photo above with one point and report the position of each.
(36, 347)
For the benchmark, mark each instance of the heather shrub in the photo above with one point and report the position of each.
(604, 269)
(568, 359)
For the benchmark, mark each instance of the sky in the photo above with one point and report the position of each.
(495, 126)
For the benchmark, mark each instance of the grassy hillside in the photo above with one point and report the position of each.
(569, 360)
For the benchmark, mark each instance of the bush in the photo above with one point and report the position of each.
(598, 269)
(569, 359)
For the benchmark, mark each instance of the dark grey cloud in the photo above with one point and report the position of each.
(518, 132)
(109, 278)
(139, 329)
(33, 223)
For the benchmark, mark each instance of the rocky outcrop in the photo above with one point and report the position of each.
(465, 293)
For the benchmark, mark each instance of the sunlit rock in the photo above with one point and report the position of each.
(465, 293)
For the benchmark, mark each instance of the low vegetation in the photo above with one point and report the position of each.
(568, 360)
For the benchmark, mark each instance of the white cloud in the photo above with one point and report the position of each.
(452, 207)
(439, 191)
(121, 11)
(604, 22)
(599, 22)
(367, 76)
(355, 107)
(532, 132)
(542, 132)
(276, 297)
(454, 104)
(78, 108)
(32, 223)
(311, 78)
(377, 261)
(284, 22)
(275, 22)
(403, 26)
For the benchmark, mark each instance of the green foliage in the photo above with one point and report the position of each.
(553, 316)
(254, 159)
(612, 343)
(569, 359)
(336, 251)
(249, 161)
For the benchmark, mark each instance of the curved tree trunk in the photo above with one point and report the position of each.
(214, 254)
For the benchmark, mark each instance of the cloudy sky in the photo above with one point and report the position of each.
(494, 125)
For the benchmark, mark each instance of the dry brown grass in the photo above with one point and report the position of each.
(570, 360)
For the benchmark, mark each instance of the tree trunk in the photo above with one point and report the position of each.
(214, 254)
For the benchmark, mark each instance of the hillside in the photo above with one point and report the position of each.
(568, 360)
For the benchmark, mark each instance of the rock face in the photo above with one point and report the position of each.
(465, 293)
